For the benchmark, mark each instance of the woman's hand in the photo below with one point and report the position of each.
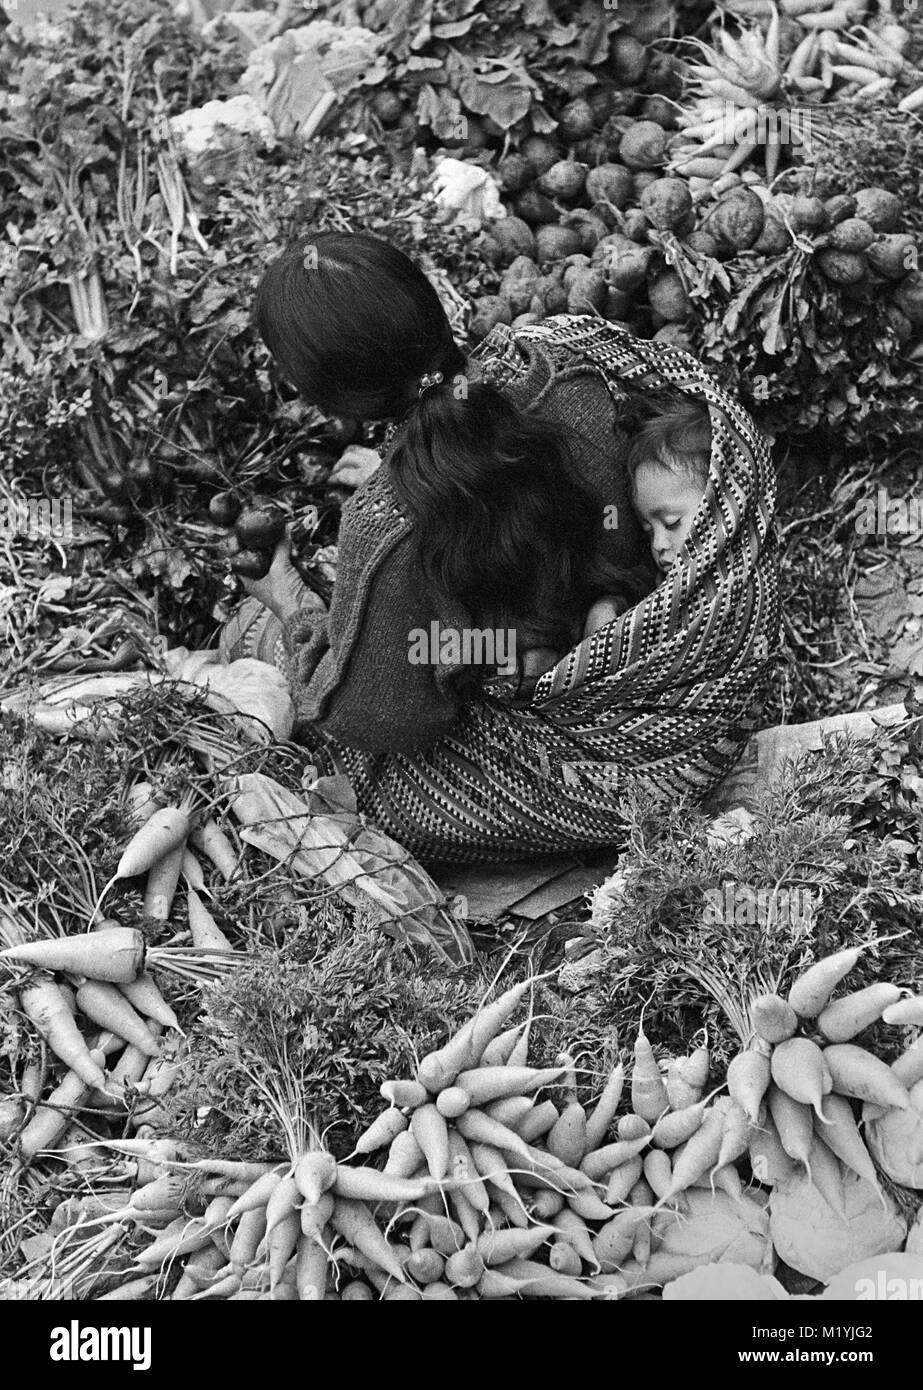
(282, 590)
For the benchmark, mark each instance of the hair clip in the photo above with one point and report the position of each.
(429, 379)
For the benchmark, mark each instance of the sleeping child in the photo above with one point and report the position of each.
(668, 464)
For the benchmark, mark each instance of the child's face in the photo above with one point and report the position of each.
(666, 503)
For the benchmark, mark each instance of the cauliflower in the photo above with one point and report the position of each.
(345, 53)
(203, 128)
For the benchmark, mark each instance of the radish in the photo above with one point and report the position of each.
(857, 1073)
(799, 1069)
(846, 1017)
(748, 1077)
(794, 1126)
(603, 1114)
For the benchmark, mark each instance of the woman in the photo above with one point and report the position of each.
(502, 504)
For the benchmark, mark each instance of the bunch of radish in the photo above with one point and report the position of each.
(796, 1081)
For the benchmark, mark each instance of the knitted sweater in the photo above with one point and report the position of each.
(349, 669)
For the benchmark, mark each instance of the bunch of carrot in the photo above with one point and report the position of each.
(100, 977)
(798, 1078)
(487, 1190)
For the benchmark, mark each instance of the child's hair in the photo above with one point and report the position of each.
(678, 438)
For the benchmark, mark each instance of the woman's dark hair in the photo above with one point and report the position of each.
(353, 324)
(503, 522)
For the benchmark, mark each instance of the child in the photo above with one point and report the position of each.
(668, 464)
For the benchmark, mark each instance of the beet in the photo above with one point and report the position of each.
(623, 262)
(774, 238)
(808, 213)
(881, 209)
(737, 218)
(629, 58)
(610, 183)
(586, 291)
(565, 179)
(636, 225)
(540, 152)
(643, 146)
(576, 121)
(252, 564)
(852, 234)
(515, 173)
(909, 297)
(892, 255)
(589, 227)
(839, 207)
(514, 237)
(533, 207)
(668, 298)
(703, 242)
(842, 267)
(489, 310)
(260, 526)
(554, 243)
(659, 110)
(224, 508)
(666, 203)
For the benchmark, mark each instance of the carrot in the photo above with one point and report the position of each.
(908, 1068)
(622, 1179)
(281, 1243)
(132, 1291)
(148, 1000)
(315, 1215)
(497, 1052)
(251, 1228)
(589, 1207)
(773, 1019)
(105, 1005)
(846, 1017)
(510, 1111)
(735, 1137)
(198, 1271)
(496, 1247)
(452, 1101)
(404, 1156)
(444, 1235)
(857, 1073)
(564, 1259)
(658, 1171)
(429, 1129)
(42, 1003)
(571, 1230)
(679, 1092)
(438, 1069)
(425, 1266)
(463, 1169)
(546, 1204)
(441, 1292)
(191, 871)
(357, 1292)
(116, 954)
(794, 1126)
(632, 1127)
(310, 1271)
(490, 1018)
(475, 1126)
(142, 803)
(497, 1083)
(676, 1126)
(597, 1125)
(163, 832)
(369, 1185)
(216, 846)
(813, 988)
(908, 1011)
(748, 1077)
(769, 1162)
(519, 1055)
(388, 1126)
(799, 1068)
(842, 1137)
(355, 1223)
(613, 1242)
(282, 1202)
(827, 1177)
(541, 1282)
(464, 1268)
(566, 1139)
(642, 1196)
(697, 1156)
(490, 1165)
(206, 934)
(649, 1097)
(314, 1173)
(406, 1094)
(598, 1164)
(538, 1121)
(51, 1119)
